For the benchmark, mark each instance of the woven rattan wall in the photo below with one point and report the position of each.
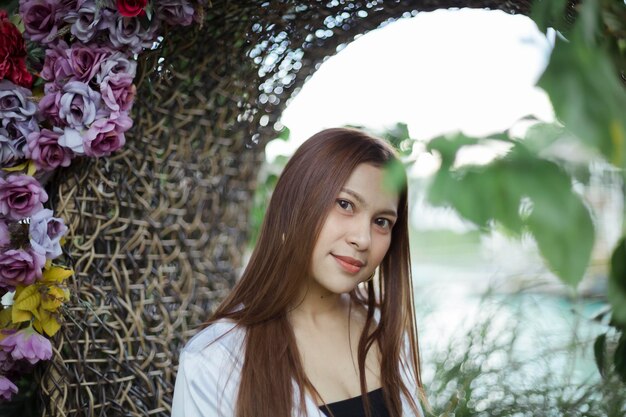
(157, 231)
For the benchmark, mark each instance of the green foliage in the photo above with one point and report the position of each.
(529, 191)
(488, 372)
(266, 182)
(284, 134)
(620, 358)
(394, 176)
(522, 192)
(617, 283)
(398, 136)
(549, 14)
(588, 98)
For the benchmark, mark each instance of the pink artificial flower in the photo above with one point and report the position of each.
(27, 344)
(20, 267)
(44, 149)
(21, 196)
(7, 388)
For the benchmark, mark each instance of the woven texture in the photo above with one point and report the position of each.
(157, 231)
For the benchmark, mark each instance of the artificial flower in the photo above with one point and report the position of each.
(131, 8)
(14, 104)
(106, 135)
(12, 53)
(20, 267)
(21, 196)
(44, 149)
(46, 232)
(7, 388)
(85, 21)
(175, 12)
(78, 104)
(27, 344)
(40, 19)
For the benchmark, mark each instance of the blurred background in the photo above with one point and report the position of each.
(500, 334)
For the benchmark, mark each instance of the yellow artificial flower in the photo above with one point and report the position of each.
(54, 298)
(40, 301)
(26, 303)
(53, 273)
(46, 322)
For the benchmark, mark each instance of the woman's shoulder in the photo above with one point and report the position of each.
(221, 336)
(208, 371)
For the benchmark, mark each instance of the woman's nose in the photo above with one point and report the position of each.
(359, 234)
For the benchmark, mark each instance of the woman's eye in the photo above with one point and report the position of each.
(384, 223)
(344, 204)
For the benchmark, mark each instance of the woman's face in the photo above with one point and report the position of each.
(357, 232)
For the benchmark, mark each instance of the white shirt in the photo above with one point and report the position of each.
(210, 369)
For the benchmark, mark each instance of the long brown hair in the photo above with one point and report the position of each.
(270, 284)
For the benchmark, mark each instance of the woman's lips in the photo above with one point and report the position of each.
(349, 264)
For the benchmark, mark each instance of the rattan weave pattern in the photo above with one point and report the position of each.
(157, 231)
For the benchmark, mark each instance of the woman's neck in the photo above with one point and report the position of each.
(318, 305)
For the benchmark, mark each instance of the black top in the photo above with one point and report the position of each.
(353, 407)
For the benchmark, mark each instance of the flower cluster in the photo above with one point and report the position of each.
(80, 102)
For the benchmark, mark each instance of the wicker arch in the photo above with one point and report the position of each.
(157, 231)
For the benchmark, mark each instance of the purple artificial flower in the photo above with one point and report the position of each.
(117, 63)
(40, 19)
(27, 344)
(21, 196)
(56, 66)
(20, 267)
(49, 105)
(7, 388)
(85, 61)
(175, 12)
(10, 150)
(78, 105)
(5, 234)
(46, 233)
(13, 102)
(85, 20)
(128, 34)
(18, 130)
(6, 360)
(73, 140)
(44, 149)
(107, 135)
(118, 92)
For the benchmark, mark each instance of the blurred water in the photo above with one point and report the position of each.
(553, 329)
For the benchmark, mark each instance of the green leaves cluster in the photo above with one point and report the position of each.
(523, 193)
(526, 192)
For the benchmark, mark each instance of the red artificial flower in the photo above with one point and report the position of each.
(131, 8)
(13, 53)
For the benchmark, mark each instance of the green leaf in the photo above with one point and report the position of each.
(541, 135)
(618, 265)
(620, 358)
(587, 96)
(563, 229)
(548, 13)
(284, 134)
(496, 191)
(599, 351)
(448, 146)
(398, 137)
(394, 176)
(616, 288)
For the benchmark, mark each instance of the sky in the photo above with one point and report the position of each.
(442, 71)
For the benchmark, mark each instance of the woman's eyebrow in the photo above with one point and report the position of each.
(360, 199)
(354, 194)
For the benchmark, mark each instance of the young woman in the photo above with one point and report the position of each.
(321, 322)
